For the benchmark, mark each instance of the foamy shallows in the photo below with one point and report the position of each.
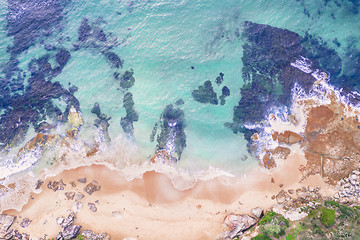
(178, 87)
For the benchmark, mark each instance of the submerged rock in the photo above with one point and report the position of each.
(127, 80)
(205, 94)
(219, 79)
(131, 115)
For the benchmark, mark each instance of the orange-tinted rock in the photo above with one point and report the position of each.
(318, 118)
(71, 133)
(92, 151)
(255, 137)
(40, 140)
(162, 156)
(289, 137)
(281, 152)
(268, 161)
(274, 135)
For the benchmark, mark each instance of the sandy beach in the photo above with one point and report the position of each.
(151, 208)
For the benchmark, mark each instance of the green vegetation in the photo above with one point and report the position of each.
(328, 217)
(273, 224)
(261, 237)
(329, 220)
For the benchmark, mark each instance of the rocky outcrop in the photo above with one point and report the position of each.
(238, 223)
(349, 188)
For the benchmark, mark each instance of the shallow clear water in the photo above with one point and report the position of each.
(161, 41)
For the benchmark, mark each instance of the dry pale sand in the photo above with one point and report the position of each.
(151, 208)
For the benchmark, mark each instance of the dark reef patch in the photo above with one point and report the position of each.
(172, 137)
(179, 102)
(267, 73)
(28, 20)
(225, 92)
(102, 122)
(205, 94)
(127, 80)
(131, 115)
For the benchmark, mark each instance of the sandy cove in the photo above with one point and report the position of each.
(151, 208)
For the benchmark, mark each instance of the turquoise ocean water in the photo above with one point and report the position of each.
(173, 47)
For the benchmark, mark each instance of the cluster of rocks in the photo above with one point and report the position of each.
(240, 223)
(293, 199)
(69, 229)
(7, 233)
(349, 188)
(56, 185)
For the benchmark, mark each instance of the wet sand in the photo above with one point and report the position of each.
(151, 208)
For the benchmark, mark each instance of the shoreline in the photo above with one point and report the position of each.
(152, 208)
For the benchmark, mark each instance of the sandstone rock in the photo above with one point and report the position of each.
(282, 197)
(268, 161)
(257, 212)
(65, 222)
(89, 235)
(77, 206)
(92, 207)
(25, 222)
(318, 118)
(289, 137)
(291, 191)
(281, 152)
(72, 183)
(56, 185)
(71, 232)
(104, 236)
(238, 223)
(79, 196)
(92, 187)
(70, 195)
(82, 180)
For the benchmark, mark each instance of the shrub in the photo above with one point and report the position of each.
(261, 237)
(328, 217)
